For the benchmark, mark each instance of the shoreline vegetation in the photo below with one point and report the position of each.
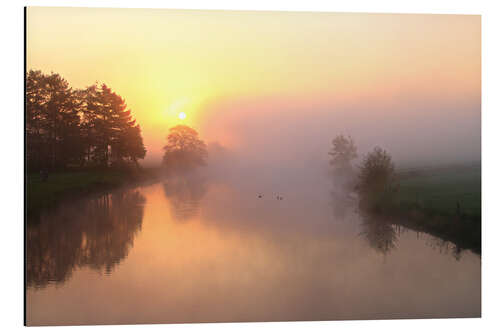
(63, 186)
(78, 141)
(83, 141)
(444, 202)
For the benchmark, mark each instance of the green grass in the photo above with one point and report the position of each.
(427, 201)
(66, 185)
(437, 191)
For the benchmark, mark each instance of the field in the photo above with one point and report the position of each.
(445, 202)
(446, 191)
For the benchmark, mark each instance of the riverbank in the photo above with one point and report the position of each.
(68, 185)
(445, 202)
(447, 191)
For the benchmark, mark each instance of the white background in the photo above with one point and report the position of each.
(11, 174)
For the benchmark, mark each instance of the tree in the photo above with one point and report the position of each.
(376, 179)
(66, 127)
(129, 145)
(110, 133)
(343, 152)
(36, 118)
(184, 151)
(125, 140)
(52, 121)
(89, 98)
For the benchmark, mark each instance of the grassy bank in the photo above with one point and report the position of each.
(72, 184)
(445, 202)
(447, 191)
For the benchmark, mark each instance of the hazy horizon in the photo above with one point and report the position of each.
(256, 221)
(277, 87)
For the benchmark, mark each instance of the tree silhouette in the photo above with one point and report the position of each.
(342, 153)
(109, 131)
(376, 179)
(52, 121)
(184, 151)
(66, 127)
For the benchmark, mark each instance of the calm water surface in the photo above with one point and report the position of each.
(189, 250)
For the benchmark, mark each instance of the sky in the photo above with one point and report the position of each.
(278, 86)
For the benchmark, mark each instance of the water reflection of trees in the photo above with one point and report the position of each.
(96, 233)
(380, 233)
(185, 194)
(341, 204)
(383, 235)
(444, 246)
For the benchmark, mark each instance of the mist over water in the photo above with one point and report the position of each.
(262, 232)
(199, 249)
(218, 244)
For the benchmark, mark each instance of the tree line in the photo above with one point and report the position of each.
(68, 127)
(375, 180)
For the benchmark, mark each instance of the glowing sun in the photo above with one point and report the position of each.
(182, 115)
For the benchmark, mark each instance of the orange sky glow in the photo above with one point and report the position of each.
(215, 66)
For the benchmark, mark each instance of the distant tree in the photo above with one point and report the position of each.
(342, 153)
(377, 179)
(184, 151)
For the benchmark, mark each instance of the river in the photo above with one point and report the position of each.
(192, 250)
